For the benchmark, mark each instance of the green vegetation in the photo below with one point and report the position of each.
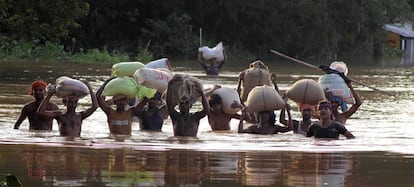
(87, 31)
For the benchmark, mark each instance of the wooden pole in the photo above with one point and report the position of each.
(201, 36)
(316, 67)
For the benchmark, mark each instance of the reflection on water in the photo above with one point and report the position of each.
(383, 127)
(82, 166)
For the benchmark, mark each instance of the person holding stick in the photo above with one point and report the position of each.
(337, 102)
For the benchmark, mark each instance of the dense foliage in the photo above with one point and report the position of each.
(317, 28)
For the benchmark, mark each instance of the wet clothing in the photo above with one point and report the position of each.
(332, 131)
(152, 121)
(120, 123)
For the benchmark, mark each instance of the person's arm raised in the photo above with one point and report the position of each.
(273, 78)
(168, 100)
(101, 102)
(358, 102)
(204, 102)
(239, 84)
(94, 106)
(43, 105)
(211, 90)
(138, 109)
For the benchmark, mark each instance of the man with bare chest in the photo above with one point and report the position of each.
(36, 121)
(184, 122)
(70, 122)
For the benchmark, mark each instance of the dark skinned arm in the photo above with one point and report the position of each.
(273, 78)
(101, 101)
(94, 106)
(239, 84)
(358, 102)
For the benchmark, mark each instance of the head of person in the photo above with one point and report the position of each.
(306, 110)
(120, 100)
(325, 109)
(155, 100)
(70, 101)
(212, 61)
(38, 89)
(184, 106)
(267, 117)
(215, 102)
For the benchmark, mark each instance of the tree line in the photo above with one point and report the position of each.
(312, 29)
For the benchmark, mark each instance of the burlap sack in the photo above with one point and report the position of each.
(153, 78)
(228, 96)
(68, 86)
(183, 89)
(254, 77)
(306, 91)
(264, 98)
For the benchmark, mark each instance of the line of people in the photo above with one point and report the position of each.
(153, 111)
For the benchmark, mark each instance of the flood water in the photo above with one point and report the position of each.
(381, 155)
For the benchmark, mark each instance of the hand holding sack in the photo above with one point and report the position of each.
(336, 85)
(183, 88)
(129, 87)
(160, 63)
(210, 53)
(306, 91)
(264, 98)
(256, 75)
(153, 78)
(228, 98)
(66, 86)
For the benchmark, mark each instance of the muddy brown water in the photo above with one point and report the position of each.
(381, 155)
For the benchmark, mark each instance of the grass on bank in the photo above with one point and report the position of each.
(49, 52)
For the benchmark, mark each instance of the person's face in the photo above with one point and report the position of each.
(325, 112)
(38, 92)
(153, 103)
(216, 107)
(306, 113)
(121, 102)
(184, 106)
(71, 102)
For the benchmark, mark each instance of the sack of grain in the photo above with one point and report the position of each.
(216, 52)
(335, 84)
(306, 91)
(68, 86)
(264, 98)
(339, 66)
(126, 68)
(153, 78)
(127, 86)
(228, 96)
(183, 88)
(254, 77)
(160, 63)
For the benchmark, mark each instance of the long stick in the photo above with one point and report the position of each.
(316, 67)
(201, 36)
